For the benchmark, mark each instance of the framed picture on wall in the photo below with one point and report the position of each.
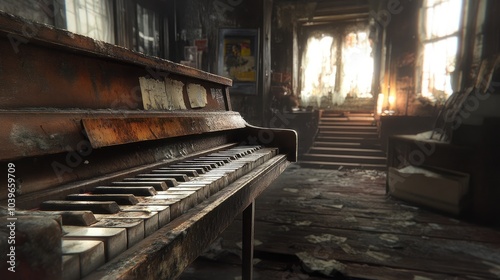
(238, 59)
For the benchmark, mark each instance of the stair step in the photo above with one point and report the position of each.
(336, 144)
(360, 114)
(344, 158)
(348, 114)
(347, 123)
(358, 134)
(330, 114)
(337, 165)
(347, 151)
(333, 139)
(347, 128)
(350, 119)
(347, 139)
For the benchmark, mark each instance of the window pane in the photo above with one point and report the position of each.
(439, 63)
(357, 68)
(92, 18)
(148, 31)
(320, 69)
(35, 10)
(442, 17)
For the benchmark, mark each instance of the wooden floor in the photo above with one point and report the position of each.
(317, 224)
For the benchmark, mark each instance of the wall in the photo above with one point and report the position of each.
(396, 22)
(402, 55)
(207, 17)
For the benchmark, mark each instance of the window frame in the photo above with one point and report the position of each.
(121, 25)
(424, 41)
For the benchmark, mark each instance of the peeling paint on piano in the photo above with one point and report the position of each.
(27, 139)
(175, 95)
(154, 94)
(197, 95)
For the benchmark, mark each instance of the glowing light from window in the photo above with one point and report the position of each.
(357, 65)
(442, 19)
(319, 69)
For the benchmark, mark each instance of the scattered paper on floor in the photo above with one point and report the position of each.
(326, 238)
(325, 267)
(389, 237)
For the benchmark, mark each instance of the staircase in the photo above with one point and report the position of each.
(346, 140)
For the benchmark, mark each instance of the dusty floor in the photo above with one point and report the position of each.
(317, 224)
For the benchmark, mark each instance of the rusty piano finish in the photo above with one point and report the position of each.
(78, 116)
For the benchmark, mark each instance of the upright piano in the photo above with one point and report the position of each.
(119, 165)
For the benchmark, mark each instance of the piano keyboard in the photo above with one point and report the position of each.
(126, 211)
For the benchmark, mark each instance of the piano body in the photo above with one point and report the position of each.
(97, 136)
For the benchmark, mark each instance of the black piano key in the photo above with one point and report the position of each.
(212, 164)
(120, 199)
(241, 152)
(251, 149)
(76, 218)
(227, 155)
(223, 159)
(99, 207)
(170, 182)
(178, 177)
(205, 167)
(139, 191)
(190, 173)
(158, 185)
(197, 168)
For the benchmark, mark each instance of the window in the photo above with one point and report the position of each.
(357, 65)
(148, 34)
(92, 18)
(139, 25)
(440, 28)
(319, 70)
(337, 66)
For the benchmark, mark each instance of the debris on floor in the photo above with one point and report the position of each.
(325, 267)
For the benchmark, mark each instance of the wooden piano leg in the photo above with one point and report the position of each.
(247, 239)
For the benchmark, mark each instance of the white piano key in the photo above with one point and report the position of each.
(150, 219)
(115, 239)
(186, 201)
(202, 191)
(163, 212)
(134, 227)
(90, 252)
(175, 205)
(71, 267)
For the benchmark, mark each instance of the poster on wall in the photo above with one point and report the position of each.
(239, 59)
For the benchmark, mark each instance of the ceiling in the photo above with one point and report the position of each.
(321, 12)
